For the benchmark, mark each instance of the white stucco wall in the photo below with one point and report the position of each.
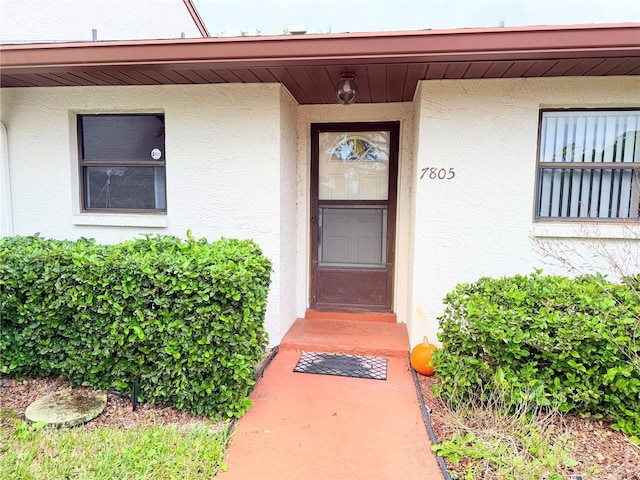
(238, 165)
(6, 215)
(481, 222)
(290, 272)
(224, 162)
(402, 112)
(74, 20)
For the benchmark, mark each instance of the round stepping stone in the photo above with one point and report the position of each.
(67, 408)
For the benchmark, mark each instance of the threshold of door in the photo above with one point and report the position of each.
(351, 316)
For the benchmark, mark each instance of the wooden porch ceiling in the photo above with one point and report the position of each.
(387, 65)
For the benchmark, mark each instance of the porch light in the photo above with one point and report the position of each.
(346, 89)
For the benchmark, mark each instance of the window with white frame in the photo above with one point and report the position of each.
(122, 162)
(589, 165)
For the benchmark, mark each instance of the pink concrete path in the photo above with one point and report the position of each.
(306, 426)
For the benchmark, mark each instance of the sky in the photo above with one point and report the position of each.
(275, 17)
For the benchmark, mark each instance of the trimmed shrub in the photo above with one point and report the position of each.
(185, 316)
(571, 344)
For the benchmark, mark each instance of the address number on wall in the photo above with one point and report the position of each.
(437, 173)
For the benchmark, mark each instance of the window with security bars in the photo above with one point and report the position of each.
(589, 165)
(122, 162)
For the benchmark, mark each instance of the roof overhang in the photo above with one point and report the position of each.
(387, 65)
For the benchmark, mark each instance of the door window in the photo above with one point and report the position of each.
(354, 166)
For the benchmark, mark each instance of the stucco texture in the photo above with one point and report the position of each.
(224, 161)
(480, 223)
(238, 165)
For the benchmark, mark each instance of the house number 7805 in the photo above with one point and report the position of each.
(436, 173)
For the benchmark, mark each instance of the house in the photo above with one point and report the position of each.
(462, 148)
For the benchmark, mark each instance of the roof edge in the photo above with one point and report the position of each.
(494, 43)
(309, 37)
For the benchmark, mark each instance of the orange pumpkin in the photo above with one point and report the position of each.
(422, 358)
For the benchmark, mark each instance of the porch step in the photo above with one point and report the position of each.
(379, 339)
(355, 317)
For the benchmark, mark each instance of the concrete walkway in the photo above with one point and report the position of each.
(307, 426)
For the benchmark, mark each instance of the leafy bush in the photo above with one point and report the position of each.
(571, 344)
(186, 316)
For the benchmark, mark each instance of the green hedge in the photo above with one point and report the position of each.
(185, 315)
(573, 344)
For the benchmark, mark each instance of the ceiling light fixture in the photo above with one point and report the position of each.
(346, 89)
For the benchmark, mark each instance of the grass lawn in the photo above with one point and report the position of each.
(108, 452)
(154, 442)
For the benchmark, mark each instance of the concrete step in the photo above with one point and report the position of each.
(381, 339)
(352, 316)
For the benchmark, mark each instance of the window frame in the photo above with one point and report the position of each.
(548, 220)
(82, 163)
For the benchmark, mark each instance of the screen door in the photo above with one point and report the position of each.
(354, 176)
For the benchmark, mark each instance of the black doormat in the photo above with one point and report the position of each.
(342, 365)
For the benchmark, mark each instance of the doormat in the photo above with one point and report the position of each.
(342, 365)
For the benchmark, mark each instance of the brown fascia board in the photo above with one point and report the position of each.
(530, 43)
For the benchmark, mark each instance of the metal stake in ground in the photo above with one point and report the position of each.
(134, 396)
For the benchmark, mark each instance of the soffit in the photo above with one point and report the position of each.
(387, 65)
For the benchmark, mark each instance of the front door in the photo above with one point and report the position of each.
(353, 213)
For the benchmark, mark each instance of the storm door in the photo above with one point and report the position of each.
(353, 213)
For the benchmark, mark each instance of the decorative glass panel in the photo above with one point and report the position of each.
(354, 166)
